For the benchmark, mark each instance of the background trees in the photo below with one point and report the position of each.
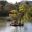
(18, 11)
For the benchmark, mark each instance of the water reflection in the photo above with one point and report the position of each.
(5, 27)
(28, 27)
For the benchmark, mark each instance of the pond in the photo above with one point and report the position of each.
(5, 27)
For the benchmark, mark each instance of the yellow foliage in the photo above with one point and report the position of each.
(13, 15)
(21, 8)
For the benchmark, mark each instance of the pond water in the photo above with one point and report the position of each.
(5, 27)
(28, 27)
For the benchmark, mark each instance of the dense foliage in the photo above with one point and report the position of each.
(19, 11)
